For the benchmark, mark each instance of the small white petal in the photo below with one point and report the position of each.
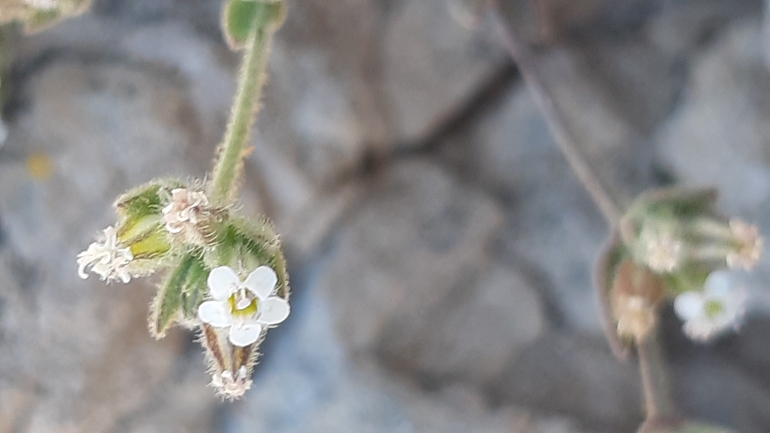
(689, 305)
(262, 281)
(273, 311)
(215, 313)
(245, 334)
(222, 282)
(719, 283)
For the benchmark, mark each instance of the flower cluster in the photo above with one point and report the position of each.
(671, 244)
(106, 258)
(168, 225)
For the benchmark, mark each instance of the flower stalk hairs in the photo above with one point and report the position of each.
(225, 274)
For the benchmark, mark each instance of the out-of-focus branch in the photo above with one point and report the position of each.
(527, 65)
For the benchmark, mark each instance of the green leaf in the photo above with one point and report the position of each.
(168, 301)
(240, 16)
(195, 288)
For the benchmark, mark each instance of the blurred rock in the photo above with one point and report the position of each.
(552, 231)
(307, 383)
(719, 132)
(577, 375)
(81, 348)
(411, 280)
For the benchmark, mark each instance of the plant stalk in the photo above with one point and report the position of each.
(232, 151)
(657, 393)
(527, 66)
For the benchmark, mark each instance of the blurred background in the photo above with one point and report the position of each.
(441, 250)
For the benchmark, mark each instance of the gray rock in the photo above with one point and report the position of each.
(411, 282)
(76, 355)
(718, 134)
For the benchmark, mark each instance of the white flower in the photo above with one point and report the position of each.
(229, 386)
(184, 210)
(663, 250)
(750, 245)
(715, 310)
(106, 258)
(246, 307)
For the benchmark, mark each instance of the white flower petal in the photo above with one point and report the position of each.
(273, 311)
(689, 305)
(245, 334)
(215, 313)
(719, 284)
(222, 282)
(262, 281)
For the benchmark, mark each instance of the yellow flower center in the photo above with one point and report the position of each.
(243, 303)
(713, 308)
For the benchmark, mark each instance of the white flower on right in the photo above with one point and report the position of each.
(719, 308)
(245, 307)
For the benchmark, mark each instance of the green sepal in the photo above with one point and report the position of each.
(179, 295)
(240, 16)
(606, 271)
(152, 245)
(675, 202)
(195, 288)
(690, 278)
(247, 243)
(669, 206)
(147, 199)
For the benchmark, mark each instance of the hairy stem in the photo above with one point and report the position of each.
(657, 392)
(231, 152)
(527, 66)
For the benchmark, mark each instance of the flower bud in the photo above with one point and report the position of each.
(677, 230)
(240, 16)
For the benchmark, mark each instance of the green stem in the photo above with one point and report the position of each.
(231, 152)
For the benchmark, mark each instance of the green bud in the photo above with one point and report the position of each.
(147, 199)
(239, 17)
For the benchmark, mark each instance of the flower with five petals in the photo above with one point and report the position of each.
(247, 307)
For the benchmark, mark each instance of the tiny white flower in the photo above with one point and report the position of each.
(720, 307)
(663, 250)
(106, 258)
(232, 386)
(185, 210)
(245, 307)
(750, 245)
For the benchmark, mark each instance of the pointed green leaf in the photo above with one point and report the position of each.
(168, 301)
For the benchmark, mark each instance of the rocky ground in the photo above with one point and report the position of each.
(440, 249)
